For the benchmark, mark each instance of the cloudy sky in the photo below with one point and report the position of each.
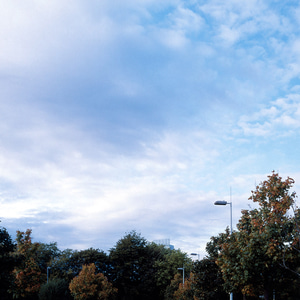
(139, 114)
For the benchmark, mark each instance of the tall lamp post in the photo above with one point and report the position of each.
(223, 202)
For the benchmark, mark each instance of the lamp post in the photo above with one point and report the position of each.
(48, 269)
(196, 254)
(223, 202)
(182, 274)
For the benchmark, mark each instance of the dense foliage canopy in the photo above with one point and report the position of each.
(262, 256)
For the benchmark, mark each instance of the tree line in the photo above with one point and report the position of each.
(260, 259)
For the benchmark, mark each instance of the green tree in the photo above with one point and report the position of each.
(45, 253)
(251, 259)
(91, 286)
(7, 263)
(69, 263)
(56, 289)
(64, 266)
(167, 265)
(133, 267)
(207, 281)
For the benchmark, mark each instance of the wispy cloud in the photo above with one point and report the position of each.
(281, 118)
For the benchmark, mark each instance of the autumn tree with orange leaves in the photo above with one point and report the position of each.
(91, 286)
(27, 275)
(186, 291)
(258, 258)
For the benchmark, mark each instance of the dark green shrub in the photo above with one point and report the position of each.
(56, 289)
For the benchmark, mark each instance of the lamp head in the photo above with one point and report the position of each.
(221, 202)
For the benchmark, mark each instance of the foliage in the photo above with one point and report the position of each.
(207, 280)
(27, 274)
(45, 253)
(133, 267)
(69, 263)
(173, 287)
(186, 291)
(64, 266)
(214, 246)
(7, 263)
(90, 286)
(167, 266)
(207, 283)
(251, 259)
(56, 289)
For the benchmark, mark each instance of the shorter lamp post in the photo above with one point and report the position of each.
(196, 254)
(48, 269)
(182, 274)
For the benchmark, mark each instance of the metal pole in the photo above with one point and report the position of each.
(230, 211)
(231, 294)
(230, 218)
(182, 274)
(223, 202)
(48, 268)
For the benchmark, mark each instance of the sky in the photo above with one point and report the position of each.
(139, 114)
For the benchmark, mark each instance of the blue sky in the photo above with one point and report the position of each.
(139, 114)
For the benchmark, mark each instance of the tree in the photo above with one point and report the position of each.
(167, 265)
(56, 289)
(7, 263)
(133, 267)
(90, 286)
(186, 291)
(251, 259)
(206, 281)
(27, 274)
(64, 266)
(173, 287)
(69, 263)
(45, 253)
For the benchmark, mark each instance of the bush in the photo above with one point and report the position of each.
(56, 289)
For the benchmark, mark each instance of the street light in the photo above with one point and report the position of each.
(48, 269)
(223, 202)
(196, 254)
(182, 274)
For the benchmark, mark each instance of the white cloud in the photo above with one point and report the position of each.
(282, 116)
(57, 169)
(184, 19)
(229, 35)
(239, 20)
